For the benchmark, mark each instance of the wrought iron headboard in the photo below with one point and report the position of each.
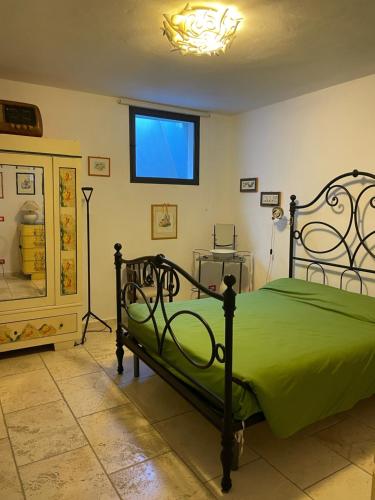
(330, 195)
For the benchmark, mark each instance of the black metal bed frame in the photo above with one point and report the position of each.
(159, 270)
(330, 194)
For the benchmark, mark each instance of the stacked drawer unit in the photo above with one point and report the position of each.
(33, 250)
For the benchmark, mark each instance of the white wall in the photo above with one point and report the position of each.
(120, 210)
(296, 147)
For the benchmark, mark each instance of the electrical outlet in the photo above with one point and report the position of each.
(2, 261)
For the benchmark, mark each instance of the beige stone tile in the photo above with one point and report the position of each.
(109, 365)
(303, 459)
(69, 363)
(322, 424)
(91, 393)
(164, 477)
(5, 294)
(353, 440)
(156, 399)
(198, 443)
(365, 411)
(12, 364)
(73, 475)
(21, 284)
(24, 293)
(121, 437)
(100, 344)
(350, 483)
(3, 431)
(26, 390)
(10, 486)
(43, 431)
(259, 481)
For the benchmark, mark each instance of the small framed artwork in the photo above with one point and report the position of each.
(163, 222)
(99, 166)
(25, 183)
(1, 186)
(270, 199)
(249, 185)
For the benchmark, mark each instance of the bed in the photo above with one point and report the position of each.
(292, 352)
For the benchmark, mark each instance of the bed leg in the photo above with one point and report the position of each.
(227, 437)
(236, 453)
(119, 333)
(120, 357)
(136, 366)
(226, 461)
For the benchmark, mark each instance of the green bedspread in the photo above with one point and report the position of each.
(305, 350)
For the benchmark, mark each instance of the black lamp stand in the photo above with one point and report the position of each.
(87, 192)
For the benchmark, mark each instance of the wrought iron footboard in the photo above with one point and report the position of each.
(157, 270)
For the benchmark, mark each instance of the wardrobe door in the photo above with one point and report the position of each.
(26, 232)
(68, 230)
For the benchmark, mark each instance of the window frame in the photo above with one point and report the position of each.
(157, 113)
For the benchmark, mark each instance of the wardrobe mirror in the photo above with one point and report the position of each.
(22, 232)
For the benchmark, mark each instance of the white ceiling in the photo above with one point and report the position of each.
(115, 47)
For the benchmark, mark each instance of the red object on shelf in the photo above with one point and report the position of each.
(2, 218)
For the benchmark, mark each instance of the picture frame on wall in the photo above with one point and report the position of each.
(249, 185)
(270, 198)
(163, 222)
(25, 183)
(1, 186)
(99, 166)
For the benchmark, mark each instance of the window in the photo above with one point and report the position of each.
(164, 147)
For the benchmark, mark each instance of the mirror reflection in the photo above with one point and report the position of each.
(22, 233)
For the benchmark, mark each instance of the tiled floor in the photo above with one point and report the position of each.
(72, 428)
(19, 287)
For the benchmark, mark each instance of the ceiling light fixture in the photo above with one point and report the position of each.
(201, 29)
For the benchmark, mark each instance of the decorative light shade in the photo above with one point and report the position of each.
(201, 29)
(30, 206)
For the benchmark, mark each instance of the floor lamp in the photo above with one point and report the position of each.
(87, 193)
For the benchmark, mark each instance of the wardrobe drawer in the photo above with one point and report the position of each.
(37, 328)
(33, 266)
(33, 241)
(32, 230)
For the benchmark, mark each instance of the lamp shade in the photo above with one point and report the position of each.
(30, 206)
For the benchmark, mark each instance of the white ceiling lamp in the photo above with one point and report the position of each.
(201, 29)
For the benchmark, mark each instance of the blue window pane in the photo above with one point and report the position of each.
(164, 148)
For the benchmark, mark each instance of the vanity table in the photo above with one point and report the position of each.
(241, 260)
(40, 273)
(224, 256)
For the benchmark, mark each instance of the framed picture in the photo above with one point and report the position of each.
(1, 186)
(25, 183)
(99, 166)
(163, 222)
(249, 185)
(270, 199)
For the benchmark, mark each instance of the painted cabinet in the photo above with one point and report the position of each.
(40, 242)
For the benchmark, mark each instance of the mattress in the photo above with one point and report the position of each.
(302, 351)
